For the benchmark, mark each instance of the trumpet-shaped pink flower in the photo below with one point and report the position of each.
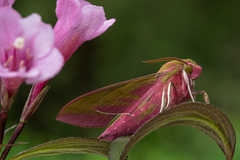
(78, 21)
(7, 3)
(27, 51)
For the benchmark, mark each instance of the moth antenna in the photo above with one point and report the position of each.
(164, 59)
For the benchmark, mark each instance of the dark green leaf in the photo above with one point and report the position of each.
(117, 146)
(66, 145)
(198, 115)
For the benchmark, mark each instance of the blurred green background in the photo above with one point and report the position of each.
(206, 31)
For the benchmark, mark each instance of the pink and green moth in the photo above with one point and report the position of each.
(131, 103)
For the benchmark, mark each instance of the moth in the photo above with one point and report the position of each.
(131, 103)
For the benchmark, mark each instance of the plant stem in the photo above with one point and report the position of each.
(16, 133)
(3, 121)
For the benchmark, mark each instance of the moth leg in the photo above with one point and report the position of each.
(171, 96)
(188, 81)
(205, 96)
(163, 102)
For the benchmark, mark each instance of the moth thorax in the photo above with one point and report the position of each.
(170, 64)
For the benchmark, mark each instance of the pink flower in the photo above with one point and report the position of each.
(7, 3)
(78, 21)
(27, 52)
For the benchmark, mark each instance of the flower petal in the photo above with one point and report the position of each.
(93, 22)
(7, 3)
(47, 66)
(9, 32)
(39, 34)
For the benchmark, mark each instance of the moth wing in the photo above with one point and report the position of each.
(82, 110)
(127, 98)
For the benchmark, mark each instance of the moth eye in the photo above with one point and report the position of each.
(188, 69)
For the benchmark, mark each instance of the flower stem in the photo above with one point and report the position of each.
(16, 133)
(3, 121)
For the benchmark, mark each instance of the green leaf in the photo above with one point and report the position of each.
(66, 145)
(198, 115)
(117, 146)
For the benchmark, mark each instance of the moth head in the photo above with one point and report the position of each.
(192, 68)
